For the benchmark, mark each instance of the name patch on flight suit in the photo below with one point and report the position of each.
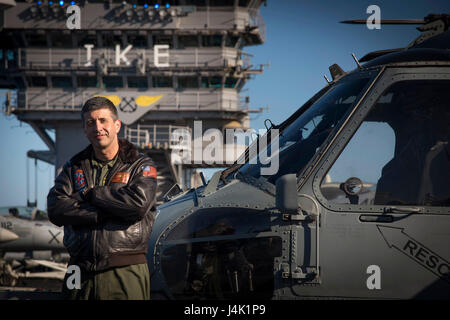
(79, 179)
(149, 171)
(121, 177)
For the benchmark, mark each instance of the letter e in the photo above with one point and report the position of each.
(157, 54)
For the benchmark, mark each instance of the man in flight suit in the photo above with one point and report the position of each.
(105, 199)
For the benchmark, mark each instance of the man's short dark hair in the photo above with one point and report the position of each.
(96, 103)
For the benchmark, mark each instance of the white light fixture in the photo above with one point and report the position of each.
(130, 14)
(140, 15)
(56, 11)
(34, 11)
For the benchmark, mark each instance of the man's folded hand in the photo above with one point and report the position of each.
(82, 195)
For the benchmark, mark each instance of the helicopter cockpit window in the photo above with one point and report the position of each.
(400, 154)
(301, 139)
(221, 254)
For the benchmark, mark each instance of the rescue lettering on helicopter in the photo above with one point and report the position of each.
(397, 238)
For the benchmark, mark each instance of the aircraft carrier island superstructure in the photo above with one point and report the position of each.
(164, 64)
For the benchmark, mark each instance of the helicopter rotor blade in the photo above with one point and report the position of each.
(387, 21)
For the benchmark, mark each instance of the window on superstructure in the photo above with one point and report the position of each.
(137, 82)
(112, 82)
(187, 41)
(36, 40)
(163, 3)
(61, 82)
(212, 41)
(111, 40)
(12, 58)
(10, 55)
(221, 3)
(17, 39)
(211, 82)
(20, 84)
(243, 3)
(162, 82)
(84, 38)
(230, 82)
(37, 81)
(230, 41)
(195, 2)
(87, 82)
(61, 40)
(7, 40)
(163, 39)
(137, 40)
(187, 82)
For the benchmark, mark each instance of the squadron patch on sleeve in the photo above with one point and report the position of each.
(121, 177)
(149, 171)
(79, 180)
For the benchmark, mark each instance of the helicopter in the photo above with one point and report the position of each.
(360, 205)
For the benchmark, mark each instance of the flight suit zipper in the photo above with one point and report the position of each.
(85, 165)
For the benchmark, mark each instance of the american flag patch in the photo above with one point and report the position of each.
(149, 171)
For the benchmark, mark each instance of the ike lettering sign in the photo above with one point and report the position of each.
(160, 54)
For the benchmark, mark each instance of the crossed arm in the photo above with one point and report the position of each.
(129, 202)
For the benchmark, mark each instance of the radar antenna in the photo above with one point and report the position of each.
(430, 26)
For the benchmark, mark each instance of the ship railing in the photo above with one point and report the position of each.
(255, 19)
(182, 101)
(157, 136)
(179, 140)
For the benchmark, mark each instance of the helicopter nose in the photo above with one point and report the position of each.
(6, 235)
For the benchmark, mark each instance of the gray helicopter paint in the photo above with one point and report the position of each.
(339, 242)
(235, 194)
(403, 249)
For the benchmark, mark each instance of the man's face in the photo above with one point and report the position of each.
(100, 128)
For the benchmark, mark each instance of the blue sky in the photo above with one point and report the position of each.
(303, 38)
